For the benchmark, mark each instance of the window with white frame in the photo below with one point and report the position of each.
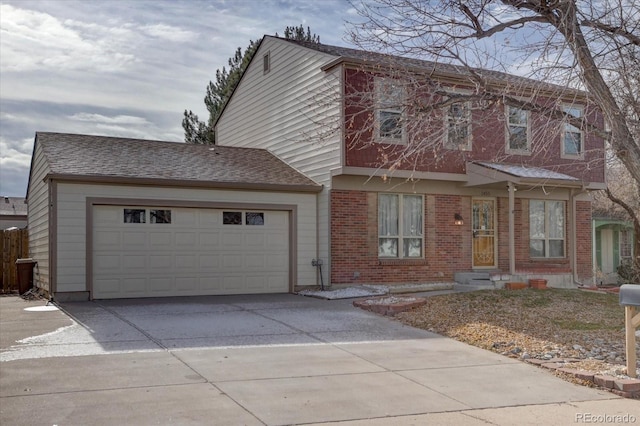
(572, 143)
(390, 98)
(400, 226)
(458, 126)
(546, 228)
(518, 130)
(626, 244)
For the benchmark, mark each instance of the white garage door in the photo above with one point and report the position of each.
(168, 251)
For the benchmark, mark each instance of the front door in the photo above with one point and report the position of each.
(484, 233)
(606, 244)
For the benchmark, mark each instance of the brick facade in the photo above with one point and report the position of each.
(447, 247)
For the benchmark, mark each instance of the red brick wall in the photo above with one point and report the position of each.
(488, 141)
(447, 247)
(354, 241)
(584, 254)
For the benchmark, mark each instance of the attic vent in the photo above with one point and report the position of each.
(266, 62)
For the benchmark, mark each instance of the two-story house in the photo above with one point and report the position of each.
(421, 185)
(334, 166)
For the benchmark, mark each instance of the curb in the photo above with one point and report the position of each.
(625, 387)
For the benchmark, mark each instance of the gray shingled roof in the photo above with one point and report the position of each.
(86, 156)
(374, 58)
(527, 172)
(13, 206)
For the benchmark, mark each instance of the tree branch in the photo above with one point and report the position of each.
(619, 31)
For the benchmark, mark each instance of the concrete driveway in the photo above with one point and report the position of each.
(263, 360)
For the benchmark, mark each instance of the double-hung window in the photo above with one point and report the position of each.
(458, 126)
(626, 244)
(572, 143)
(546, 228)
(400, 226)
(390, 98)
(518, 130)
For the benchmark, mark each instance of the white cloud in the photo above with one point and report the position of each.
(118, 119)
(170, 33)
(33, 40)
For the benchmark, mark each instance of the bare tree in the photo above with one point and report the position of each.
(581, 47)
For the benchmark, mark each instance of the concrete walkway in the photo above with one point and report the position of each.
(265, 360)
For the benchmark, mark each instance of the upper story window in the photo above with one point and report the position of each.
(400, 226)
(458, 126)
(572, 138)
(518, 131)
(390, 98)
(546, 228)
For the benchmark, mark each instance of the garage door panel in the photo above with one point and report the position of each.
(132, 285)
(209, 240)
(106, 262)
(187, 240)
(159, 284)
(195, 253)
(161, 240)
(188, 262)
(209, 261)
(134, 239)
(187, 283)
(161, 262)
(107, 240)
(108, 215)
(232, 283)
(231, 239)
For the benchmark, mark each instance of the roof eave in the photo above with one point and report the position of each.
(126, 180)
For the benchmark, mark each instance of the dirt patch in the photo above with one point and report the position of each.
(390, 305)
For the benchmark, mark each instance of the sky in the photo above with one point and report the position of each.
(127, 68)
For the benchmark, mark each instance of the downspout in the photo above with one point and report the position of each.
(512, 228)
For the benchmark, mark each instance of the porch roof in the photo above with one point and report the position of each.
(484, 173)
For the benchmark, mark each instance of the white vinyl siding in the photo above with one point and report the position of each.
(295, 112)
(38, 219)
(72, 222)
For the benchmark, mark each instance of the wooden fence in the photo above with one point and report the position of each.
(15, 245)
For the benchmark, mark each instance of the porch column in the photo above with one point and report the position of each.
(512, 227)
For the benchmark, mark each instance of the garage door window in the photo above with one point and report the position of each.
(160, 216)
(254, 218)
(232, 218)
(250, 218)
(135, 216)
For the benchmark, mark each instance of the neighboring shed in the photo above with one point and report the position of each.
(13, 212)
(123, 218)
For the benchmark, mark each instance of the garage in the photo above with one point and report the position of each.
(163, 251)
(164, 219)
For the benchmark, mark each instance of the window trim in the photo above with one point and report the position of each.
(566, 128)
(547, 222)
(401, 237)
(447, 125)
(508, 148)
(379, 82)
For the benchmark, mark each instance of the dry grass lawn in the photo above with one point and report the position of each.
(542, 324)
